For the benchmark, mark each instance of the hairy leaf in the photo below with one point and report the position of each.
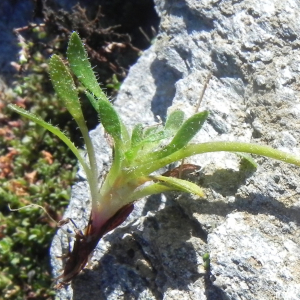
(137, 135)
(110, 119)
(81, 66)
(93, 100)
(64, 86)
(52, 129)
(174, 121)
(187, 131)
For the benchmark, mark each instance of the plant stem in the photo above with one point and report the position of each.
(92, 175)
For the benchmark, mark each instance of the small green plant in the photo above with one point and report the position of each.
(206, 261)
(114, 83)
(136, 155)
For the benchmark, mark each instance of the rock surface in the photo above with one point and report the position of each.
(14, 14)
(248, 224)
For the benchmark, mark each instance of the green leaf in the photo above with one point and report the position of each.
(115, 84)
(248, 159)
(148, 131)
(155, 188)
(137, 135)
(157, 136)
(174, 120)
(180, 185)
(110, 119)
(81, 66)
(64, 86)
(52, 129)
(93, 101)
(143, 145)
(206, 261)
(187, 131)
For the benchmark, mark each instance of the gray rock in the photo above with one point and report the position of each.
(248, 224)
(14, 14)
